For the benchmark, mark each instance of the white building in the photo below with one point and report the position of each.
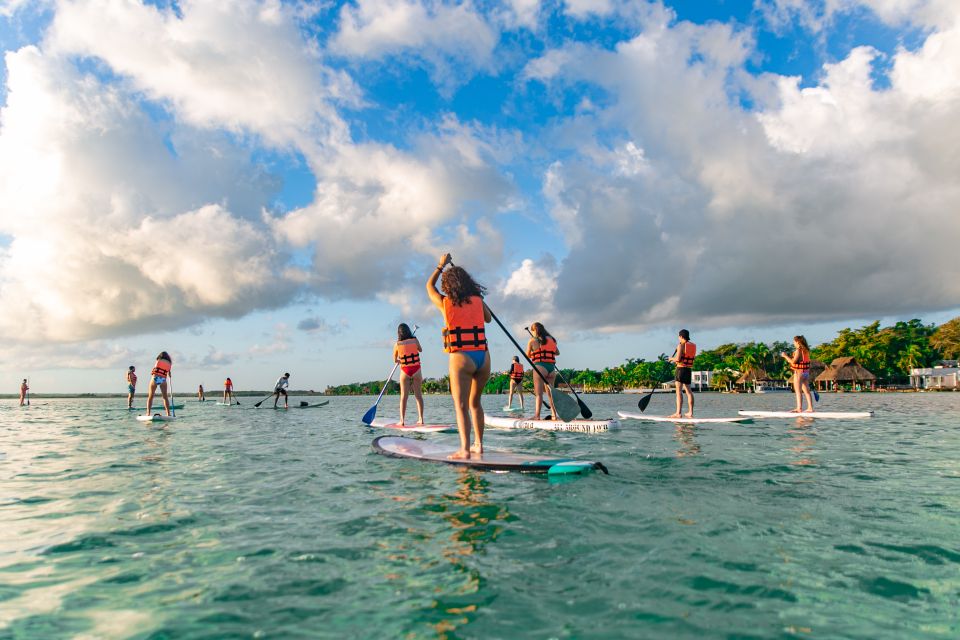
(701, 380)
(939, 377)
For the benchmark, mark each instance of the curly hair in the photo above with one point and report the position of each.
(457, 285)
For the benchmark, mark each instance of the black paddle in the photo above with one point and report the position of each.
(257, 406)
(584, 409)
(564, 406)
(645, 400)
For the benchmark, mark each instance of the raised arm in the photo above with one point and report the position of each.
(435, 297)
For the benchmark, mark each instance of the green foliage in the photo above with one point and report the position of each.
(888, 352)
(946, 339)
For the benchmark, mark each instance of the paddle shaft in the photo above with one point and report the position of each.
(584, 409)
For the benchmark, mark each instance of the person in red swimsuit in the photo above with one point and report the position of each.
(406, 352)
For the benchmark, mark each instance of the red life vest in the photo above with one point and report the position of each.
(516, 372)
(464, 326)
(407, 352)
(162, 369)
(802, 363)
(228, 383)
(132, 377)
(688, 351)
(547, 352)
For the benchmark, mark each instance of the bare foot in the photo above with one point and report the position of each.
(810, 410)
(476, 448)
(797, 410)
(420, 421)
(402, 423)
(674, 415)
(536, 417)
(688, 415)
(460, 454)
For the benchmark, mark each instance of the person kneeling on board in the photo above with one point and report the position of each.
(683, 357)
(465, 339)
(158, 378)
(406, 353)
(542, 351)
(280, 389)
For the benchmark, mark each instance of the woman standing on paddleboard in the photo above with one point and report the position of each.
(516, 381)
(406, 353)
(542, 350)
(158, 378)
(464, 338)
(800, 363)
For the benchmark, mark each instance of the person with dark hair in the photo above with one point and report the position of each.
(464, 338)
(516, 381)
(228, 396)
(800, 364)
(542, 351)
(280, 389)
(158, 378)
(131, 385)
(683, 357)
(24, 390)
(406, 352)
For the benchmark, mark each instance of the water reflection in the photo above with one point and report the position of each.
(802, 441)
(685, 435)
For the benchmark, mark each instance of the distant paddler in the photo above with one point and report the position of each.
(800, 364)
(683, 356)
(516, 381)
(201, 396)
(465, 339)
(406, 353)
(280, 389)
(228, 391)
(131, 385)
(159, 377)
(542, 351)
(24, 390)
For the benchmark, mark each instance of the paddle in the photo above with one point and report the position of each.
(173, 407)
(564, 406)
(372, 411)
(257, 406)
(584, 409)
(27, 394)
(645, 400)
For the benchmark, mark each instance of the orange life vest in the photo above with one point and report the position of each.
(228, 383)
(802, 363)
(407, 352)
(688, 351)
(464, 326)
(162, 369)
(516, 372)
(547, 352)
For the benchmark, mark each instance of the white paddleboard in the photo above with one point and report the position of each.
(832, 415)
(433, 451)
(414, 428)
(585, 426)
(627, 415)
(156, 418)
(510, 409)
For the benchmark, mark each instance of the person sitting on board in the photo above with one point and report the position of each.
(406, 352)
(464, 338)
(201, 396)
(280, 389)
(516, 381)
(800, 364)
(683, 357)
(24, 388)
(158, 378)
(542, 351)
(228, 391)
(131, 385)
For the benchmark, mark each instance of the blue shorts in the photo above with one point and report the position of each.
(131, 388)
(158, 380)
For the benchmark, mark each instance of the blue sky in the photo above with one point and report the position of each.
(261, 187)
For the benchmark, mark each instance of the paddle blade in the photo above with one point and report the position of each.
(584, 409)
(816, 396)
(369, 415)
(644, 401)
(564, 406)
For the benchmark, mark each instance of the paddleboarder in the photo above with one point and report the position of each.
(280, 389)
(24, 390)
(683, 357)
(406, 353)
(158, 378)
(131, 385)
(542, 350)
(516, 381)
(800, 364)
(201, 396)
(464, 338)
(228, 391)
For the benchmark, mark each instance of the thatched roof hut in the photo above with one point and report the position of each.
(845, 369)
(816, 368)
(753, 374)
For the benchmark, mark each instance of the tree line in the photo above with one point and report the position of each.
(888, 352)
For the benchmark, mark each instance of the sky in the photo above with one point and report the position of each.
(259, 187)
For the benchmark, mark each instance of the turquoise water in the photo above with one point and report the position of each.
(238, 523)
